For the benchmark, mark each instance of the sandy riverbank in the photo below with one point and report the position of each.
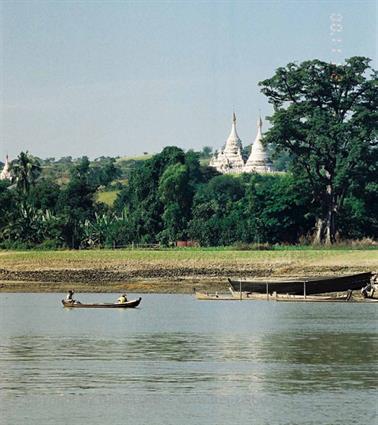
(176, 271)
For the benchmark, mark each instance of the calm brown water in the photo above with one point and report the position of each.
(176, 360)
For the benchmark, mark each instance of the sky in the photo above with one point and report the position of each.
(120, 78)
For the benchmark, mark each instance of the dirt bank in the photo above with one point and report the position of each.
(153, 276)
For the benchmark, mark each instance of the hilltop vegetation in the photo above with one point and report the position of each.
(168, 197)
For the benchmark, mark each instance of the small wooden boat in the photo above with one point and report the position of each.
(128, 304)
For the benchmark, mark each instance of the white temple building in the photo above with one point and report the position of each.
(5, 174)
(230, 159)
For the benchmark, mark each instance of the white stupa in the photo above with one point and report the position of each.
(258, 160)
(229, 159)
(5, 174)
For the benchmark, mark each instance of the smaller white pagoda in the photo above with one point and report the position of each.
(5, 174)
(229, 159)
(258, 160)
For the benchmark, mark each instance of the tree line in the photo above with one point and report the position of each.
(324, 124)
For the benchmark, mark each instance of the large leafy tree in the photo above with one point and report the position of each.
(217, 211)
(176, 194)
(76, 203)
(326, 116)
(277, 208)
(159, 195)
(8, 203)
(141, 196)
(44, 195)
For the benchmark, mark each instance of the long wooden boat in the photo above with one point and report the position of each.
(128, 304)
(304, 285)
(255, 296)
(313, 298)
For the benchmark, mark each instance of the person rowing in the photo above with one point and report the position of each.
(69, 298)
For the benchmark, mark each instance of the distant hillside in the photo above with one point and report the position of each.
(58, 170)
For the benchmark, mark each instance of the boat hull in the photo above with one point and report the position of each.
(303, 285)
(128, 304)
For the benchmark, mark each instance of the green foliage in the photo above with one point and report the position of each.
(105, 173)
(278, 208)
(76, 203)
(159, 195)
(8, 202)
(31, 226)
(172, 197)
(44, 195)
(216, 212)
(106, 230)
(206, 152)
(252, 208)
(25, 171)
(359, 215)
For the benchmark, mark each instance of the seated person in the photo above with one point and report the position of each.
(122, 299)
(368, 291)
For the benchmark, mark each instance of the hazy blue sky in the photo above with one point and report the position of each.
(123, 77)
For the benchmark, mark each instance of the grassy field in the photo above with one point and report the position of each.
(195, 257)
(169, 270)
(107, 198)
(135, 158)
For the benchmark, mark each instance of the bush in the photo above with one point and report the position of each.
(49, 244)
(15, 245)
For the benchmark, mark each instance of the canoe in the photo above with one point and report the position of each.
(304, 285)
(128, 304)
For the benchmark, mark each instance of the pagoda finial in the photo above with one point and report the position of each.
(234, 117)
(259, 121)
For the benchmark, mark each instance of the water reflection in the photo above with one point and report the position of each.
(276, 362)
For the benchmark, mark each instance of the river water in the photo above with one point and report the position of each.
(175, 360)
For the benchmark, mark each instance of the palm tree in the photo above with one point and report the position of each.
(25, 170)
